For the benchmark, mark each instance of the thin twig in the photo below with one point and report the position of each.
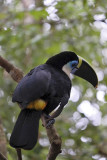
(19, 153)
(2, 157)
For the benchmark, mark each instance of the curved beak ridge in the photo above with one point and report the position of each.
(86, 72)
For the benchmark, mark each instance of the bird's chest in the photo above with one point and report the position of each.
(57, 89)
(60, 84)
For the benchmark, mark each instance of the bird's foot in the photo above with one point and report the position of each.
(49, 121)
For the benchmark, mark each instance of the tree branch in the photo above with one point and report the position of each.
(54, 139)
(52, 134)
(15, 73)
(2, 157)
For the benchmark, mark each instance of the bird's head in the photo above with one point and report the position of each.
(71, 63)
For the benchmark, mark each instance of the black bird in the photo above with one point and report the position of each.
(42, 90)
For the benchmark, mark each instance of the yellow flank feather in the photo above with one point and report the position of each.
(38, 104)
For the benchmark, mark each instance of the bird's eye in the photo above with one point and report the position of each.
(73, 64)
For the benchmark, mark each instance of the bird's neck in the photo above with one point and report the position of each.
(66, 69)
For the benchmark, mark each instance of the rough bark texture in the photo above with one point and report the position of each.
(55, 140)
(15, 73)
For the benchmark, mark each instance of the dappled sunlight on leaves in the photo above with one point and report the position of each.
(30, 33)
(91, 112)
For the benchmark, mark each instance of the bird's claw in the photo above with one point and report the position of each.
(49, 121)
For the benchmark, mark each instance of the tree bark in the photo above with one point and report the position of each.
(2, 157)
(55, 140)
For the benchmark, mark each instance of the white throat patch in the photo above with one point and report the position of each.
(67, 70)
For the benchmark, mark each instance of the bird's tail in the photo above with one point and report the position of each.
(25, 132)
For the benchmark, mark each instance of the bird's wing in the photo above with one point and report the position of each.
(33, 86)
(64, 101)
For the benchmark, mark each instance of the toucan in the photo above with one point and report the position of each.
(43, 89)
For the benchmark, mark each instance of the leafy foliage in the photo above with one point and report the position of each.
(32, 32)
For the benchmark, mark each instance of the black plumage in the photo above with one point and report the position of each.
(25, 132)
(47, 82)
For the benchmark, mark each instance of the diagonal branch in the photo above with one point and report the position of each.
(15, 73)
(2, 157)
(52, 134)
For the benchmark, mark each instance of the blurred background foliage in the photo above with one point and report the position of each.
(31, 31)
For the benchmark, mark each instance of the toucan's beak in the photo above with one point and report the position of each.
(85, 71)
